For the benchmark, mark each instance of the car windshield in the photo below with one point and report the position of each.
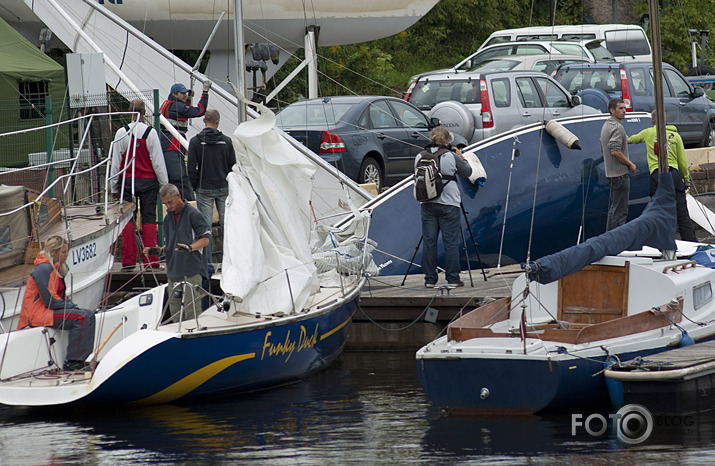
(429, 93)
(312, 114)
(496, 65)
(577, 79)
(599, 52)
(570, 49)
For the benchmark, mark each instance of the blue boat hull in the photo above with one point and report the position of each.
(516, 386)
(238, 360)
(571, 198)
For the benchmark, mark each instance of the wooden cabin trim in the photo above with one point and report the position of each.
(597, 293)
(486, 314)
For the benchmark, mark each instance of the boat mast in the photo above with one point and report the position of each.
(658, 86)
(239, 55)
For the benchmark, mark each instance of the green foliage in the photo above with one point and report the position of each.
(676, 17)
(454, 29)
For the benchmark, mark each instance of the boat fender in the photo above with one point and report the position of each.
(479, 174)
(561, 134)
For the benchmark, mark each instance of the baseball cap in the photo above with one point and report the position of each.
(178, 87)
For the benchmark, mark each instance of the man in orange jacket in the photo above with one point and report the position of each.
(46, 305)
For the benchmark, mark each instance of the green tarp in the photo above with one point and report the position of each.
(22, 66)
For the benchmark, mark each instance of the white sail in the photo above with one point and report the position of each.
(134, 62)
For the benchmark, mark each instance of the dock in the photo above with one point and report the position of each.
(679, 381)
(390, 315)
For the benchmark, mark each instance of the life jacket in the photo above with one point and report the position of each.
(143, 167)
(181, 124)
(34, 312)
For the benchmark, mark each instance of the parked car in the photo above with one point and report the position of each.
(626, 42)
(546, 63)
(686, 106)
(372, 139)
(591, 50)
(478, 105)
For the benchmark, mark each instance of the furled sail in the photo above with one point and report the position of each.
(655, 227)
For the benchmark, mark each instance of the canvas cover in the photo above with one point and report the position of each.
(14, 228)
(267, 259)
(655, 227)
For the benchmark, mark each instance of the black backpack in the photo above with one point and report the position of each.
(429, 181)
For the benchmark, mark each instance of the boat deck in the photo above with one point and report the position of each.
(48, 377)
(678, 358)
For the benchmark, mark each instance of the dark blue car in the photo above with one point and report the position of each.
(372, 139)
(686, 106)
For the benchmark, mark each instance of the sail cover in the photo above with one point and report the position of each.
(655, 227)
(267, 261)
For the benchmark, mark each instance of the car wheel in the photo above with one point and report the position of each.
(370, 172)
(709, 138)
(456, 117)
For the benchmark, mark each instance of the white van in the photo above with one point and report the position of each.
(626, 42)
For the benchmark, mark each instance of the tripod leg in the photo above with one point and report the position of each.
(417, 248)
(466, 256)
(474, 243)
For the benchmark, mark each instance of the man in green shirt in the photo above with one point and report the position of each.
(678, 166)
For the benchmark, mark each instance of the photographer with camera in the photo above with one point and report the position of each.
(177, 109)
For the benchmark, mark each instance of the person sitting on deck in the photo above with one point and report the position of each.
(46, 305)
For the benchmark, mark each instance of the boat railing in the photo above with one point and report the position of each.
(65, 181)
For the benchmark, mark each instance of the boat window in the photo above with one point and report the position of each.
(32, 99)
(702, 294)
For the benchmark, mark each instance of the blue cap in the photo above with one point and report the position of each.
(178, 87)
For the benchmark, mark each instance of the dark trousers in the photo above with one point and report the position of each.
(436, 219)
(618, 201)
(80, 323)
(685, 225)
(176, 169)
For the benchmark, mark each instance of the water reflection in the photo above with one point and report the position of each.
(368, 409)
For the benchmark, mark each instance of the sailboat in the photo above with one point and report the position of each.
(290, 289)
(71, 205)
(574, 313)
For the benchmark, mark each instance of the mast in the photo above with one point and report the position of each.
(658, 86)
(239, 55)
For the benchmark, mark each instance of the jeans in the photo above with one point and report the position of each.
(205, 200)
(438, 218)
(618, 201)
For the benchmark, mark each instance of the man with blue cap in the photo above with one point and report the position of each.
(177, 109)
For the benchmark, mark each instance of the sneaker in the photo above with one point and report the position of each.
(429, 285)
(76, 366)
(128, 268)
(456, 285)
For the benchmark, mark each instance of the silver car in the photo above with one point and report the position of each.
(478, 105)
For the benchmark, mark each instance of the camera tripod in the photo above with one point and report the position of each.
(464, 243)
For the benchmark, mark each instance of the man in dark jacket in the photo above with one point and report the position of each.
(177, 109)
(211, 157)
